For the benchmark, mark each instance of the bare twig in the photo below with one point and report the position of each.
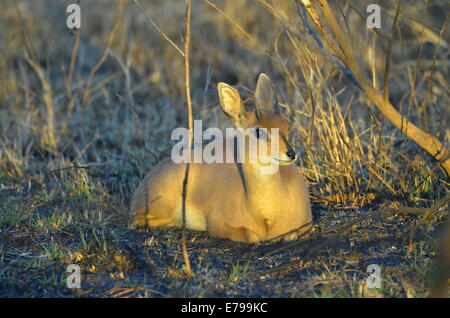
(70, 167)
(425, 140)
(405, 210)
(49, 135)
(158, 29)
(388, 53)
(381, 35)
(87, 90)
(278, 237)
(68, 81)
(340, 230)
(73, 59)
(237, 26)
(189, 104)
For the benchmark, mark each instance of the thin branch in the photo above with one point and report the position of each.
(416, 211)
(158, 29)
(73, 59)
(336, 49)
(426, 214)
(241, 29)
(68, 81)
(48, 139)
(87, 90)
(70, 167)
(381, 35)
(388, 53)
(425, 140)
(189, 105)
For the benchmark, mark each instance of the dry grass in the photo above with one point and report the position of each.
(84, 115)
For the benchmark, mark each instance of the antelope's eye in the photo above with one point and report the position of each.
(261, 133)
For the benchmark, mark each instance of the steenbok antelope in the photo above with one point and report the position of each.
(236, 200)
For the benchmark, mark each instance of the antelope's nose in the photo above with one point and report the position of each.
(291, 154)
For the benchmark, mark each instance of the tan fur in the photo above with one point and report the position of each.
(273, 204)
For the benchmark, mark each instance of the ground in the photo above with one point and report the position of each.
(118, 260)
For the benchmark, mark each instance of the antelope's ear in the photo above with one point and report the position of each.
(264, 93)
(265, 96)
(231, 102)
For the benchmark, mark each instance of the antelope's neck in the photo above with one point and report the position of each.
(261, 187)
(259, 181)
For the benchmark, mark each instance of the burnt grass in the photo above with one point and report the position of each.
(38, 242)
